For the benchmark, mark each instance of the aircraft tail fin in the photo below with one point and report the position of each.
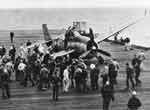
(47, 36)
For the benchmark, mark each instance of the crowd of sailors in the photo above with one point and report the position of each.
(64, 73)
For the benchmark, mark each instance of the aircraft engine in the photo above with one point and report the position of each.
(79, 47)
(80, 38)
(58, 44)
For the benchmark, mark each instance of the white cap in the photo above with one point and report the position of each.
(133, 92)
(107, 83)
(5, 70)
(11, 47)
(92, 66)
(93, 47)
(47, 52)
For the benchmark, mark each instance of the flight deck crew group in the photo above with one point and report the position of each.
(65, 73)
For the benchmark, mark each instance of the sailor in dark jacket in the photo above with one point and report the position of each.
(104, 75)
(28, 43)
(112, 74)
(107, 95)
(55, 82)
(3, 51)
(12, 53)
(94, 73)
(134, 103)
(43, 78)
(5, 84)
(129, 76)
(28, 75)
(136, 65)
(11, 37)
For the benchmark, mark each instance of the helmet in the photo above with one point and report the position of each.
(93, 47)
(107, 83)
(134, 93)
(92, 66)
(5, 70)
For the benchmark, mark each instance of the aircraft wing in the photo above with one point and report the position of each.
(140, 47)
(99, 40)
(61, 53)
(132, 45)
(38, 43)
(34, 44)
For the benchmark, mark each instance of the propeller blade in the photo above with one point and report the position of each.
(85, 54)
(104, 52)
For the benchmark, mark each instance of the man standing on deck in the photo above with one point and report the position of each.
(112, 74)
(137, 73)
(134, 103)
(5, 83)
(94, 73)
(43, 78)
(141, 57)
(3, 51)
(104, 74)
(116, 64)
(134, 60)
(129, 75)
(28, 43)
(21, 68)
(55, 82)
(136, 65)
(28, 75)
(11, 37)
(107, 95)
(12, 53)
(66, 79)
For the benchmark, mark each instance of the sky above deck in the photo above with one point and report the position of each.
(72, 3)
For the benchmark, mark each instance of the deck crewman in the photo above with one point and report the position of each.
(66, 80)
(43, 78)
(55, 82)
(11, 37)
(104, 74)
(94, 73)
(136, 66)
(107, 95)
(28, 43)
(129, 76)
(12, 52)
(134, 103)
(5, 83)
